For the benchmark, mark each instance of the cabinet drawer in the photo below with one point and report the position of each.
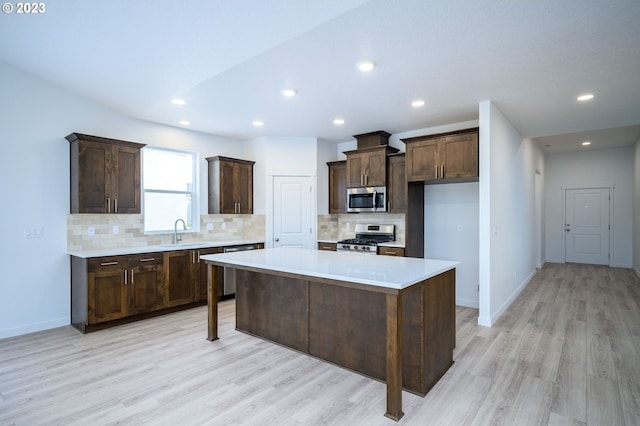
(391, 251)
(110, 263)
(146, 259)
(328, 246)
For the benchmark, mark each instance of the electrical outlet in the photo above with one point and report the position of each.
(224, 225)
(116, 229)
(459, 228)
(91, 231)
(209, 226)
(35, 232)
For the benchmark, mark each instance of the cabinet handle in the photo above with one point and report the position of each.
(442, 171)
(115, 203)
(108, 205)
(131, 276)
(193, 257)
(436, 171)
(198, 256)
(125, 277)
(108, 263)
(148, 259)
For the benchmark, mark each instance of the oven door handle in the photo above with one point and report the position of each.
(375, 200)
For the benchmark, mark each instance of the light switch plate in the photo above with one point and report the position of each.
(116, 229)
(91, 231)
(209, 226)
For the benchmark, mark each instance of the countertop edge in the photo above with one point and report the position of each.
(123, 251)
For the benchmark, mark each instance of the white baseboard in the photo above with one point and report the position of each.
(636, 271)
(32, 328)
(468, 303)
(621, 265)
(487, 322)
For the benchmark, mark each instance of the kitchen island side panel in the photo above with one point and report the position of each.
(347, 326)
(273, 307)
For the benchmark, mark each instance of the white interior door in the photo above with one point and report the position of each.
(292, 201)
(587, 226)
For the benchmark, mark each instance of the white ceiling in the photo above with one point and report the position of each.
(231, 58)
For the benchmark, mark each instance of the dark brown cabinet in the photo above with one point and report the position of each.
(201, 288)
(112, 288)
(230, 185)
(396, 184)
(449, 157)
(145, 283)
(105, 175)
(327, 246)
(181, 270)
(337, 187)
(391, 251)
(106, 290)
(367, 167)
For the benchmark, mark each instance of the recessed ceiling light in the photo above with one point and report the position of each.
(177, 101)
(417, 103)
(258, 123)
(184, 122)
(586, 143)
(586, 97)
(289, 93)
(338, 121)
(366, 66)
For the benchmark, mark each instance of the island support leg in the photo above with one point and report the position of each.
(212, 303)
(394, 357)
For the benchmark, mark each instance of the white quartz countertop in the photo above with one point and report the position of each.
(119, 251)
(381, 271)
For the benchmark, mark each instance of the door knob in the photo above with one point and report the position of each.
(567, 229)
(277, 239)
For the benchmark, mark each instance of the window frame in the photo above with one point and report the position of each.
(195, 192)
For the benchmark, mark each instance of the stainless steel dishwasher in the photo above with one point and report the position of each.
(229, 286)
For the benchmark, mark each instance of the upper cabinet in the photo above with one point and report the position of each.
(230, 185)
(337, 187)
(105, 175)
(396, 184)
(367, 167)
(449, 157)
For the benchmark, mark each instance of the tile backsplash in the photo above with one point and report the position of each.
(131, 230)
(341, 226)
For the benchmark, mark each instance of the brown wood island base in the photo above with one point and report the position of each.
(402, 337)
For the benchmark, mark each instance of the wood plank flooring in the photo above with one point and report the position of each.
(565, 353)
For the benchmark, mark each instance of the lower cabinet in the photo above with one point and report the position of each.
(391, 251)
(112, 290)
(201, 282)
(327, 246)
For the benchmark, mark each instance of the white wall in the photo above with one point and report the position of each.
(508, 166)
(451, 232)
(34, 292)
(281, 156)
(593, 168)
(636, 210)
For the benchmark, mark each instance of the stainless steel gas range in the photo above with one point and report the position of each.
(368, 236)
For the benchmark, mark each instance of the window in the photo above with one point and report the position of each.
(170, 189)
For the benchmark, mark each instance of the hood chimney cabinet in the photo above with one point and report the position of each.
(105, 175)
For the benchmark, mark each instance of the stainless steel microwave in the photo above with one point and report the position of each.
(370, 199)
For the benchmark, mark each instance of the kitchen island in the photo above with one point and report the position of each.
(389, 318)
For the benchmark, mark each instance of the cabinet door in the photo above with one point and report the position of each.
(146, 289)
(180, 267)
(422, 160)
(459, 156)
(201, 291)
(125, 163)
(355, 170)
(227, 187)
(376, 168)
(243, 186)
(397, 185)
(107, 291)
(338, 187)
(94, 177)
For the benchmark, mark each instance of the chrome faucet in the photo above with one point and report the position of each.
(177, 239)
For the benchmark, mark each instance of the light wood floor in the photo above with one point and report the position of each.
(566, 352)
